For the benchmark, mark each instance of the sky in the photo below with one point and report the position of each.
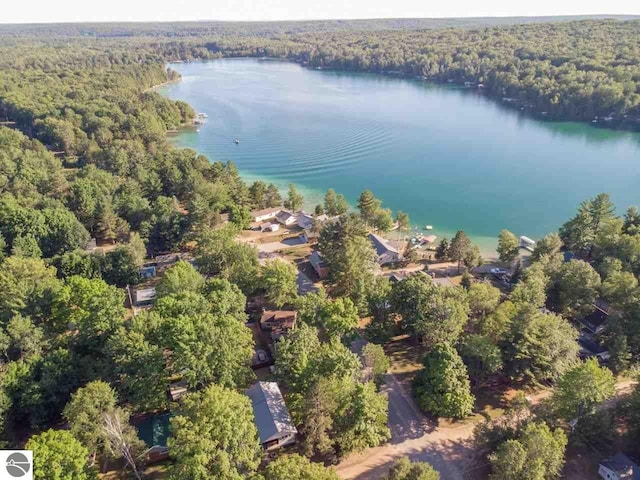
(27, 11)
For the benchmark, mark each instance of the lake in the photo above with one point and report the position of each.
(446, 155)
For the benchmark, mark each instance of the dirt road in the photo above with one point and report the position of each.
(447, 448)
(413, 435)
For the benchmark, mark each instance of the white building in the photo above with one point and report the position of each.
(265, 214)
(286, 218)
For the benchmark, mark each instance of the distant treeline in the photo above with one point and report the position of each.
(565, 71)
(578, 70)
(218, 28)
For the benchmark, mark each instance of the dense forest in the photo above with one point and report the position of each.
(84, 154)
(574, 71)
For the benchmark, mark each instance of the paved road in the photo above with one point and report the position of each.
(413, 435)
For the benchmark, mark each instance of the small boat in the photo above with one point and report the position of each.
(428, 227)
(237, 140)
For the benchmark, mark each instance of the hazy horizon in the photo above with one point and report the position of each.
(166, 11)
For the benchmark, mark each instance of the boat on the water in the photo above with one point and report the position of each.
(237, 141)
(428, 227)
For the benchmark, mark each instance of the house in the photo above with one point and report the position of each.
(269, 227)
(265, 214)
(144, 296)
(619, 467)
(148, 271)
(271, 416)
(596, 321)
(385, 252)
(317, 262)
(154, 431)
(306, 221)
(286, 218)
(278, 322)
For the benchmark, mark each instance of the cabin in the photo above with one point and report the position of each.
(317, 262)
(385, 252)
(265, 214)
(286, 218)
(271, 416)
(154, 431)
(619, 467)
(278, 322)
(269, 227)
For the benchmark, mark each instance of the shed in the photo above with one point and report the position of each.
(271, 416)
(269, 227)
(148, 271)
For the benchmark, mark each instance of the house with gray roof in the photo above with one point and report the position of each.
(271, 416)
(385, 252)
(619, 467)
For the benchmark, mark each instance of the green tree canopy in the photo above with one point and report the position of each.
(213, 436)
(581, 389)
(179, 278)
(296, 467)
(508, 246)
(538, 454)
(57, 455)
(279, 280)
(442, 386)
(405, 469)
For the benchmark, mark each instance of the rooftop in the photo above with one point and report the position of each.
(154, 430)
(381, 245)
(265, 211)
(623, 466)
(270, 411)
(316, 260)
(280, 320)
(595, 319)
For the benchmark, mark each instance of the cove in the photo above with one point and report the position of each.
(447, 156)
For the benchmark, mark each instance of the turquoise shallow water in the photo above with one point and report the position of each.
(447, 156)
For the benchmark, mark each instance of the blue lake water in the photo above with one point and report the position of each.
(448, 156)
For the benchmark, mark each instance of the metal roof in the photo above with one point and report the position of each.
(271, 414)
